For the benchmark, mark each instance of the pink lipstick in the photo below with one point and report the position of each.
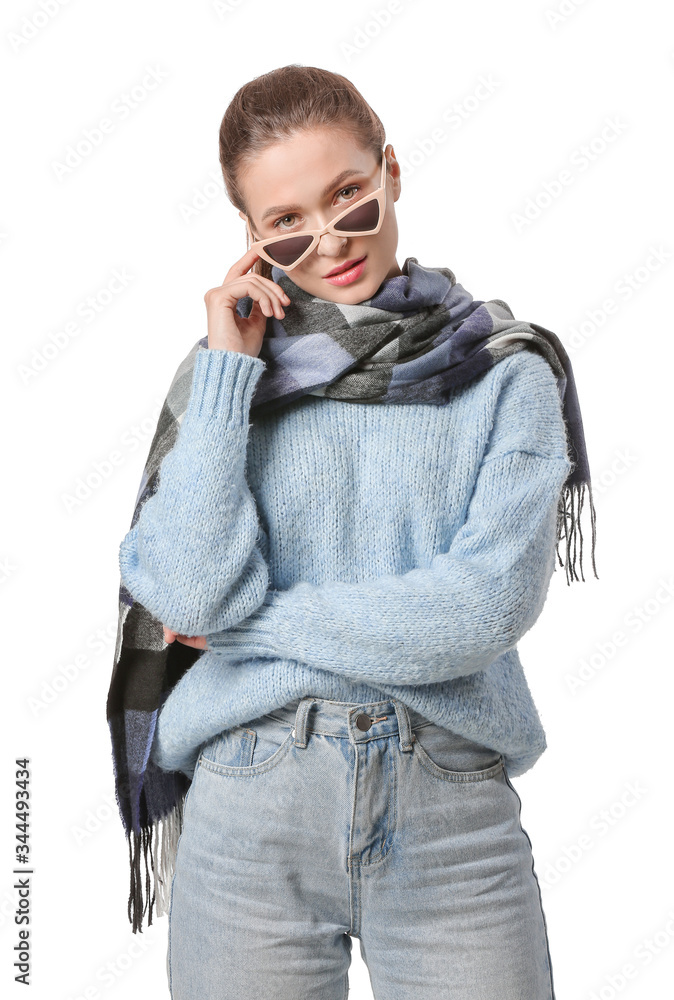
(346, 277)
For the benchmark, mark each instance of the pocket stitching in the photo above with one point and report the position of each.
(456, 776)
(248, 770)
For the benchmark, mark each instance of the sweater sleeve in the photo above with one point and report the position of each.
(472, 603)
(192, 557)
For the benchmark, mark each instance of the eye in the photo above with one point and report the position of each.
(283, 217)
(351, 187)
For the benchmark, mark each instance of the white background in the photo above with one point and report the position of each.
(557, 81)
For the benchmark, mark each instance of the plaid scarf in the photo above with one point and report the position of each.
(420, 336)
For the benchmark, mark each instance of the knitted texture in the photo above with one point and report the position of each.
(354, 552)
(368, 509)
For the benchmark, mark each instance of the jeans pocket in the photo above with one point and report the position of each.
(253, 748)
(454, 758)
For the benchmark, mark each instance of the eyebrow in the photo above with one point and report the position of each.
(285, 209)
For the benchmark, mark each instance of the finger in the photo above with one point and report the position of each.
(270, 296)
(272, 287)
(270, 303)
(252, 284)
(276, 298)
(241, 266)
(195, 641)
(280, 300)
(266, 305)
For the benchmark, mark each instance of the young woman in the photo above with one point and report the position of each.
(349, 533)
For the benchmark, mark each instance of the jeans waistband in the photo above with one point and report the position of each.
(358, 721)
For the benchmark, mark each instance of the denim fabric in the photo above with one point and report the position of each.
(303, 830)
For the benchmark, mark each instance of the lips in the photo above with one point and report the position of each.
(345, 267)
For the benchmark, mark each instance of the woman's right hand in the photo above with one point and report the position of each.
(229, 331)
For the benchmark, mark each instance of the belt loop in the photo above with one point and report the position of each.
(407, 737)
(300, 730)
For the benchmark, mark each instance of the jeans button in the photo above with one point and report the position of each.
(363, 721)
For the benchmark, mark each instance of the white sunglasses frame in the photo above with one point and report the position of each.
(379, 194)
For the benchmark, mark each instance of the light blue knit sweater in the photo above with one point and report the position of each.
(354, 551)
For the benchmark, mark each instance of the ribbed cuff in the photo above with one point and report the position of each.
(257, 635)
(223, 385)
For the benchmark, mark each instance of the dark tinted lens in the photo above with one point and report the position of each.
(362, 218)
(288, 251)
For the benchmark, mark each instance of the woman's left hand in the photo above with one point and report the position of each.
(198, 641)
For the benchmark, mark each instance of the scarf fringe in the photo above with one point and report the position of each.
(160, 840)
(569, 529)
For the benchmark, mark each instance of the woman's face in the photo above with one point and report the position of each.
(303, 183)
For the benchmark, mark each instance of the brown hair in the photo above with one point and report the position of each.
(279, 104)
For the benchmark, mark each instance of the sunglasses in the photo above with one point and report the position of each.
(364, 218)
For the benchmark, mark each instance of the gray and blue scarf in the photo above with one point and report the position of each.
(416, 339)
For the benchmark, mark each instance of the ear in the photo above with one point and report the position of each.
(242, 215)
(394, 172)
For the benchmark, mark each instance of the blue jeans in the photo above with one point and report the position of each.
(324, 821)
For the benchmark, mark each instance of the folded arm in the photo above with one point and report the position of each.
(192, 558)
(472, 603)
(428, 625)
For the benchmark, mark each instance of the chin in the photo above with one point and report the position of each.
(355, 293)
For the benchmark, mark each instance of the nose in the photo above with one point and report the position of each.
(330, 245)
